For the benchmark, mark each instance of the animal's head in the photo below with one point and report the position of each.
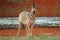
(33, 8)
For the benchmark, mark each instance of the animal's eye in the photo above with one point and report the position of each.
(33, 11)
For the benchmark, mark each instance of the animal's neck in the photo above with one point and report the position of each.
(31, 16)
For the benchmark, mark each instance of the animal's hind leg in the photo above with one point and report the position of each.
(19, 27)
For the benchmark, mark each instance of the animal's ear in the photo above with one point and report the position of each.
(34, 5)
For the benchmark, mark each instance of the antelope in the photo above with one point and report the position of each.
(27, 19)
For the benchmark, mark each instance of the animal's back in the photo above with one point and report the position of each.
(24, 16)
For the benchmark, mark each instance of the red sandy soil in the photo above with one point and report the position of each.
(36, 31)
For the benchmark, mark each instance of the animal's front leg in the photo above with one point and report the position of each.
(32, 29)
(28, 29)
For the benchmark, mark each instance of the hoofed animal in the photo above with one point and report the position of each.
(27, 19)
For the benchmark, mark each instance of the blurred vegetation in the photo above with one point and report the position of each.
(40, 37)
